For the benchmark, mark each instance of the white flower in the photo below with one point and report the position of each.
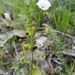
(44, 4)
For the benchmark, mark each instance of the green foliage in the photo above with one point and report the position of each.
(27, 15)
(25, 11)
(61, 19)
(56, 40)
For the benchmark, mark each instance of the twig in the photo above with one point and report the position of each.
(16, 52)
(68, 52)
(50, 58)
(43, 28)
(64, 34)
